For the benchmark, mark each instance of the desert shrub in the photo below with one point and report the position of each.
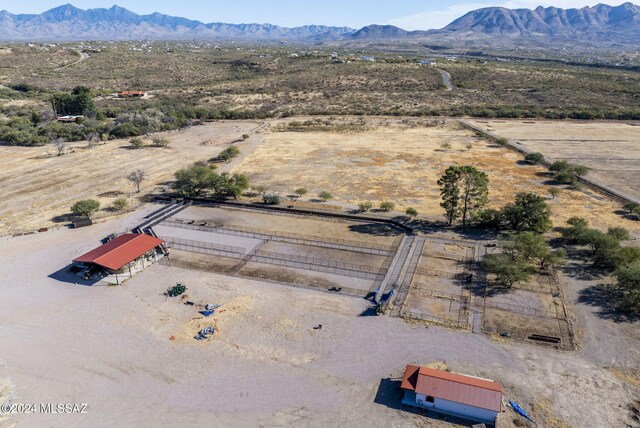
(271, 199)
(387, 206)
(160, 142)
(363, 207)
(120, 204)
(325, 196)
(136, 143)
(411, 212)
(534, 158)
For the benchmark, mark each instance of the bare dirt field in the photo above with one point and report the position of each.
(112, 348)
(396, 162)
(39, 186)
(610, 149)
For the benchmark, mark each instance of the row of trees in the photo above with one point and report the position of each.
(607, 253)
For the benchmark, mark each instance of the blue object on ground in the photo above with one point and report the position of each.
(207, 313)
(515, 406)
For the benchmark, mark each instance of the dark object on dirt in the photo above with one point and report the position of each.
(335, 289)
(43, 229)
(176, 291)
(319, 327)
(205, 333)
(547, 339)
(491, 245)
(204, 224)
(505, 334)
(188, 303)
(82, 222)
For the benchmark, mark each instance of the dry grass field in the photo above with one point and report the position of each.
(39, 186)
(396, 162)
(610, 149)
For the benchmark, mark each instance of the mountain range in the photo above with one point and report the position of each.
(66, 23)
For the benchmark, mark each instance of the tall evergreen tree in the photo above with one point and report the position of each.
(464, 189)
(474, 191)
(450, 193)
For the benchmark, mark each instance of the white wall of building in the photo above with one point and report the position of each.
(456, 409)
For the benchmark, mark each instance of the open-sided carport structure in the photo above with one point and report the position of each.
(122, 254)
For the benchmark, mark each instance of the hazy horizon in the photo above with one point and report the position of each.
(410, 15)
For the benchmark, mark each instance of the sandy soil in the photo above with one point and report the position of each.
(111, 347)
(610, 149)
(39, 187)
(402, 164)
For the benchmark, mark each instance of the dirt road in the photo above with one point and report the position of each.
(446, 79)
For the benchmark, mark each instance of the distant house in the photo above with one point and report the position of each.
(452, 394)
(430, 62)
(367, 58)
(131, 94)
(69, 119)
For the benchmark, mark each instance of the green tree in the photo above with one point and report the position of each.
(195, 180)
(628, 280)
(325, 196)
(120, 204)
(411, 212)
(464, 190)
(85, 207)
(450, 193)
(387, 206)
(506, 270)
(229, 185)
(529, 212)
(474, 191)
(489, 218)
(561, 165)
(631, 207)
(534, 158)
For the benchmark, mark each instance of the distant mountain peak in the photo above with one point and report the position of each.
(551, 21)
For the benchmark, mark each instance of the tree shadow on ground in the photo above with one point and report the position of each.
(607, 298)
(64, 218)
(426, 226)
(578, 269)
(375, 229)
(390, 395)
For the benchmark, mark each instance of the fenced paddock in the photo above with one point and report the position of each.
(223, 242)
(532, 312)
(440, 290)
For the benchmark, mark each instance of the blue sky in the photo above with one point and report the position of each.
(408, 14)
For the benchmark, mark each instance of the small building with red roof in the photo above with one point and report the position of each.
(452, 394)
(123, 254)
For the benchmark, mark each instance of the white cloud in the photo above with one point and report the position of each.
(441, 18)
